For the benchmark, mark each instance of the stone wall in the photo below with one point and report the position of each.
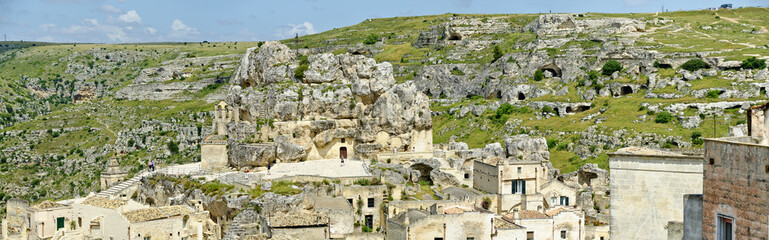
(485, 177)
(213, 156)
(693, 216)
(647, 192)
(737, 187)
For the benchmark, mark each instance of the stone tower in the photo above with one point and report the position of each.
(113, 175)
(222, 116)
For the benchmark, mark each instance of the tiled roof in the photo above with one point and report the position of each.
(103, 202)
(46, 205)
(298, 220)
(526, 214)
(149, 214)
(456, 209)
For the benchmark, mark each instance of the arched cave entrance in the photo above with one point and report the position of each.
(625, 90)
(424, 172)
(521, 96)
(455, 37)
(553, 69)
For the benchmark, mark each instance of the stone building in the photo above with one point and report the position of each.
(420, 224)
(103, 218)
(213, 149)
(311, 226)
(736, 196)
(114, 174)
(557, 223)
(367, 203)
(647, 191)
(521, 184)
(38, 221)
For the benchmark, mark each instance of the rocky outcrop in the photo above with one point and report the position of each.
(527, 148)
(339, 98)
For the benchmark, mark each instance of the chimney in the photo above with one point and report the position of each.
(516, 216)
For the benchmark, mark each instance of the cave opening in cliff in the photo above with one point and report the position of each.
(424, 172)
(625, 90)
(521, 96)
(554, 70)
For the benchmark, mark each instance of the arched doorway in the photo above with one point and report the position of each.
(343, 152)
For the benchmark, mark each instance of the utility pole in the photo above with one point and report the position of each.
(714, 125)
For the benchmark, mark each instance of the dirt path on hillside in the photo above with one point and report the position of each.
(727, 19)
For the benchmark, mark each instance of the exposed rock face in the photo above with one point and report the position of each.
(566, 23)
(527, 148)
(343, 104)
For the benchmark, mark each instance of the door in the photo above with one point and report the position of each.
(59, 223)
(343, 152)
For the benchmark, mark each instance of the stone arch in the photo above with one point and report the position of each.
(553, 69)
(424, 172)
(625, 90)
(185, 219)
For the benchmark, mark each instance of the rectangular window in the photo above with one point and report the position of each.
(553, 201)
(470, 238)
(438, 238)
(529, 235)
(563, 234)
(564, 201)
(519, 170)
(725, 227)
(467, 175)
(519, 186)
(369, 221)
(146, 238)
(370, 202)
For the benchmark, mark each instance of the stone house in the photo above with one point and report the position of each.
(340, 215)
(647, 191)
(521, 184)
(213, 149)
(103, 218)
(367, 202)
(38, 221)
(736, 173)
(420, 224)
(557, 223)
(311, 226)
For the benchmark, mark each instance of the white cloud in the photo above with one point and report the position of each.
(110, 9)
(179, 29)
(291, 30)
(151, 30)
(131, 17)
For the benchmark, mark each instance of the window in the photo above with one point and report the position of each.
(725, 228)
(529, 235)
(564, 201)
(438, 238)
(519, 187)
(563, 234)
(349, 200)
(343, 140)
(470, 238)
(146, 238)
(553, 201)
(467, 175)
(370, 202)
(369, 221)
(519, 170)
(79, 222)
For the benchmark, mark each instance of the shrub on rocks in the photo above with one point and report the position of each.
(610, 67)
(753, 63)
(663, 117)
(694, 65)
(538, 75)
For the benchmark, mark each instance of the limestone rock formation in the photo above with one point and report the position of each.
(340, 106)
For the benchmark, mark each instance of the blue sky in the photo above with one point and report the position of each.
(116, 21)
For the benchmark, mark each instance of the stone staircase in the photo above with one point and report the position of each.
(117, 189)
(242, 225)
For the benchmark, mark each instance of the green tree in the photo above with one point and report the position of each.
(663, 117)
(173, 147)
(753, 63)
(610, 67)
(694, 65)
(371, 39)
(538, 75)
(497, 53)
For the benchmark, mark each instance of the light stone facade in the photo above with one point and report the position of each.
(647, 190)
(38, 221)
